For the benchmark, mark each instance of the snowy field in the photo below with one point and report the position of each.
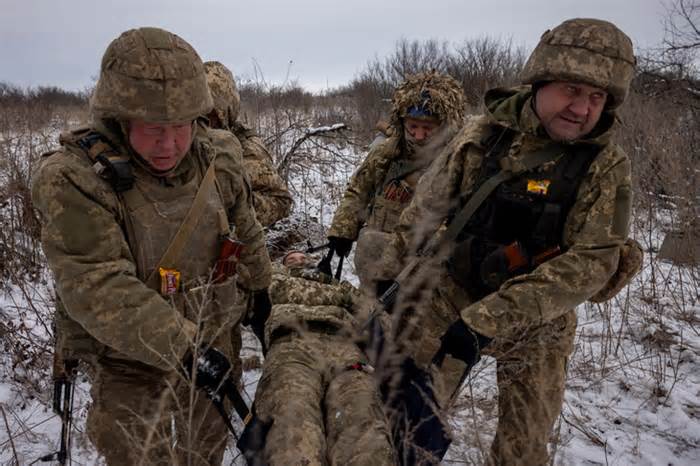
(633, 390)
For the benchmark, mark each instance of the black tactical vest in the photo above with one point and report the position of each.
(521, 223)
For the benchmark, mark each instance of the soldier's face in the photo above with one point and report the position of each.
(295, 260)
(161, 145)
(420, 129)
(569, 111)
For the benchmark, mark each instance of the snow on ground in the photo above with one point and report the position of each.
(633, 391)
(633, 387)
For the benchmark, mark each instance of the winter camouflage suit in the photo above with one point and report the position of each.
(103, 246)
(530, 317)
(324, 403)
(383, 185)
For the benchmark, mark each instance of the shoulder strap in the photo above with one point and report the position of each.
(177, 244)
(108, 163)
(510, 168)
(401, 168)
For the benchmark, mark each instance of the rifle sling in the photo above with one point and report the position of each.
(401, 168)
(510, 169)
(177, 244)
(237, 401)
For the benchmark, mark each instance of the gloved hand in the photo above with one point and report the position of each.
(209, 371)
(260, 309)
(463, 343)
(341, 246)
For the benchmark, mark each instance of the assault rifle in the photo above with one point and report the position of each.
(251, 441)
(64, 372)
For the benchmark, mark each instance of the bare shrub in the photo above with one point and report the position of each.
(477, 64)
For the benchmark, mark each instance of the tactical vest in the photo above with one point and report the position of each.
(393, 195)
(153, 213)
(521, 223)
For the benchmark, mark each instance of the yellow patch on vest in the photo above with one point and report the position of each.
(538, 186)
(169, 281)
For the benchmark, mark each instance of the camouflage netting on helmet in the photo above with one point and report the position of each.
(227, 100)
(584, 50)
(439, 94)
(152, 75)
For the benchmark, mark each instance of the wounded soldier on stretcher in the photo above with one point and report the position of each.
(316, 391)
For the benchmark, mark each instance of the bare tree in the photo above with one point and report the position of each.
(483, 63)
(678, 55)
(682, 25)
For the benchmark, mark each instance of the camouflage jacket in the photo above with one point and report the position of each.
(594, 231)
(270, 195)
(300, 301)
(86, 241)
(356, 205)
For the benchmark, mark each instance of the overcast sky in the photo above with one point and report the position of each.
(319, 43)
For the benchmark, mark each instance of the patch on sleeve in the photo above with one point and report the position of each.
(623, 207)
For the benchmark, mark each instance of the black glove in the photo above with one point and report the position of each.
(463, 343)
(260, 309)
(341, 246)
(210, 371)
(252, 440)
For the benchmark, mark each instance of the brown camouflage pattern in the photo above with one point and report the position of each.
(271, 197)
(354, 208)
(533, 309)
(368, 202)
(631, 259)
(324, 412)
(99, 271)
(130, 420)
(270, 194)
(152, 75)
(446, 97)
(133, 337)
(227, 100)
(590, 51)
(368, 213)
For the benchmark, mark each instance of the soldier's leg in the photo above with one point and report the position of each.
(201, 432)
(129, 419)
(531, 379)
(290, 392)
(357, 431)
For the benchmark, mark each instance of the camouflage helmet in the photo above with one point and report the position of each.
(227, 100)
(430, 94)
(584, 50)
(152, 75)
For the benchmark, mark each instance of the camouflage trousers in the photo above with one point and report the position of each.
(143, 416)
(531, 377)
(324, 412)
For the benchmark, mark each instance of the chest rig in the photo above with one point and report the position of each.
(394, 194)
(520, 224)
(151, 213)
(155, 214)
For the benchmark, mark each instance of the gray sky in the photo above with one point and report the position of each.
(60, 42)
